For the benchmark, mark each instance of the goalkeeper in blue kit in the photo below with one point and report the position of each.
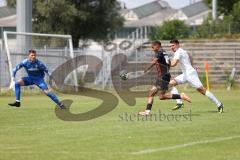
(36, 71)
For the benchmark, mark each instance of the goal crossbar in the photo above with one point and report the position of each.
(38, 34)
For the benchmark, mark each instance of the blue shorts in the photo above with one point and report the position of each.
(35, 81)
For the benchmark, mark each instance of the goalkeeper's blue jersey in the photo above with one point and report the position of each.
(34, 69)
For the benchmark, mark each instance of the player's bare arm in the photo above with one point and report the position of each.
(191, 59)
(174, 62)
(153, 62)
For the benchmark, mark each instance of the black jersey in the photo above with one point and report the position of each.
(163, 62)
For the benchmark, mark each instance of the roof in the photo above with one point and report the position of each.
(9, 21)
(124, 11)
(6, 11)
(7, 16)
(150, 8)
(195, 9)
(152, 20)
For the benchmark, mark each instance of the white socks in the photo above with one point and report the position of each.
(208, 94)
(175, 91)
(213, 98)
(147, 111)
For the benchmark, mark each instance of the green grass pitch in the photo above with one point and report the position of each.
(34, 132)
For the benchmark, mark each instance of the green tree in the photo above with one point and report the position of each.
(169, 30)
(236, 12)
(225, 27)
(83, 19)
(224, 6)
(205, 30)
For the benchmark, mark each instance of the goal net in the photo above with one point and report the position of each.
(52, 49)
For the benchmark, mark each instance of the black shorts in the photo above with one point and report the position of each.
(162, 82)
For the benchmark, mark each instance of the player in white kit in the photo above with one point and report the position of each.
(189, 74)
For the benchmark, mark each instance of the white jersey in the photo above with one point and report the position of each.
(184, 61)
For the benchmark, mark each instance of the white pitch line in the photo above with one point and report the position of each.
(185, 145)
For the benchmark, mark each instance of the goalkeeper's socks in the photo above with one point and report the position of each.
(54, 98)
(17, 91)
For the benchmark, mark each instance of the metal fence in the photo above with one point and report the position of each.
(134, 55)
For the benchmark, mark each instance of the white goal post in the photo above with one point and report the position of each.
(67, 39)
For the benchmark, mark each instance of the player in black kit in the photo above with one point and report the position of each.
(162, 63)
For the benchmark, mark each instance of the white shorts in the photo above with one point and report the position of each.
(191, 78)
